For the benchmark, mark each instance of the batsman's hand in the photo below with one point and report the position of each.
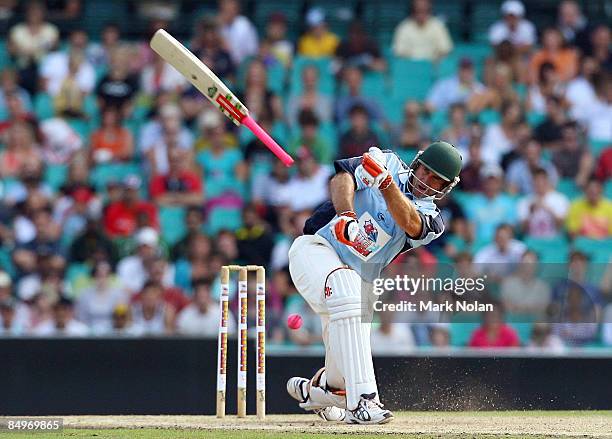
(346, 228)
(374, 165)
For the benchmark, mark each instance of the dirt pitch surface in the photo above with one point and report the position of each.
(412, 424)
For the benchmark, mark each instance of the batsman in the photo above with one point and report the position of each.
(380, 207)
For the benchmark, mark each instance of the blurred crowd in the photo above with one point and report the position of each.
(123, 191)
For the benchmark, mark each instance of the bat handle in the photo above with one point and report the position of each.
(279, 152)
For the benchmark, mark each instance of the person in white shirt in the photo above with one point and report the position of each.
(599, 115)
(421, 36)
(131, 270)
(391, 337)
(310, 184)
(513, 27)
(10, 325)
(201, 318)
(542, 214)
(455, 89)
(500, 258)
(580, 93)
(239, 33)
(63, 322)
(500, 138)
(55, 67)
(524, 292)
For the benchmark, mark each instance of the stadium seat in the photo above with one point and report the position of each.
(488, 117)
(598, 146)
(549, 250)
(460, 333)
(102, 174)
(292, 10)
(6, 261)
(523, 330)
(172, 222)
(222, 218)
(534, 118)
(568, 187)
(484, 14)
(477, 52)
(608, 189)
(599, 250)
(4, 56)
(81, 127)
(411, 79)
(43, 106)
(55, 175)
(384, 16)
(374, 86)
(338, 13)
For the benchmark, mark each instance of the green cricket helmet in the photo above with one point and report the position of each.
(441, 158)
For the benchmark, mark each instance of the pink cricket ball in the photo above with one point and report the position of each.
(294, 321)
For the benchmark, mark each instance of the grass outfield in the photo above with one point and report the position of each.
(418, 425)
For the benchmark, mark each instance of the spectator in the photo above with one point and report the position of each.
(318, 41)
(471, 175)
(360, 136)
(10, 325)
(112, 141)
(211, 49)
(91, 244)
(391, 336)
(21, 149)
(421, 36)
(29, 42)
(281, 49)
(439, 335)
(358, 50)
(255, 240)
(542, 214)
(72, 212)
(131, 270)
(194, 221)
(580, 91)
(310, 139)
(591, 215)
(555, 51)
(603, 171)
(499, 90)
(514, 287)
(150, 314)
(492, 207)
(506, 56)
(519, 178)
(458, 133)
(257, 96)
(181, 186)
(413, 132)
(122, 322)
(63, 322)
(572, 158)
(310, 99)
(542, 337)
(500, 138)
(579, 277)
(494, 332)
(310, 182)
(157, 138)
(9, 86)
(99, 54)
(95, 305)
(123, 217)
(273, 190)
(573, 25)
(513, 27)
(600, 46)
(69, 100)
(599, 115)
(577, 325)
(201, 317)
(548, 86)
(162, 273)
(159, 77)
(16, 114)
(456, 89)
(238, 32)
(118, 87)
(606, 327)
(195, 263)
(501, 257)
(56, 66)
(353, 78)
(549, 131)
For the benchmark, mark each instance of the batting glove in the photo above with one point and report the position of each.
(346, 227)
(374, 165)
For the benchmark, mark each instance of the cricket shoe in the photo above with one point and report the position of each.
(368, 411)
(297, 388)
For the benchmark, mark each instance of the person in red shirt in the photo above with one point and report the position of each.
(130, 213)
(604, 165)
(494, 332)
(180, 186)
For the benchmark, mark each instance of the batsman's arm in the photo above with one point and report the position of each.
(403, 211)
(342, 188)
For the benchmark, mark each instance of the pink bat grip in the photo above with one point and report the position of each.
(267, 140)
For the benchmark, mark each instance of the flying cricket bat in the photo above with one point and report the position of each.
(196, 72)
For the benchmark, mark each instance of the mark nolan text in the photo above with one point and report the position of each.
(458, 306)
